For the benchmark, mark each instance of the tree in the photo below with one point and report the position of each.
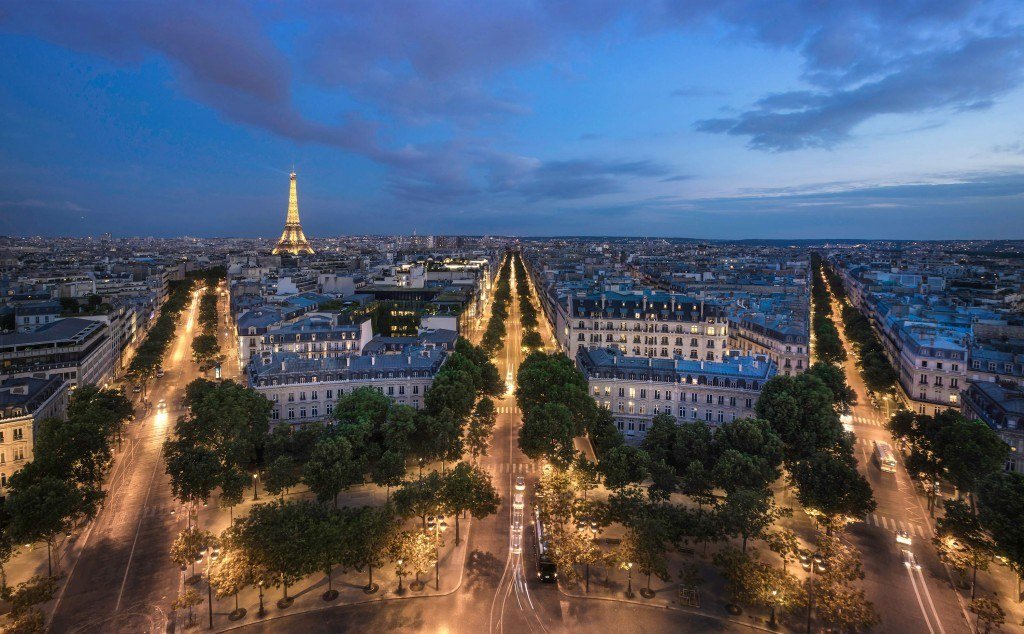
(279, 537)
(989, 613)
(800, 409)
(467, 488)
(480, 428)
(389, 471)
(837, 601)
(417, 550)
(1000, 507)
(43, 507)
(644, 544)
(749, 453)
(747, 513)
(229, 574)
(188, 599)
(281, 474)
(753, 583)
(23, 599)
(422, 497)
(371, 534)
(784, 543)
(834, 377)
(331, 468)
(532, 339)
(548, 432)
(7, 547)
(969, 450)
(962, 542)
(491, 383)
(194, 469)
(188, 545)
(570, 548)
(831, 485)
(625, 465)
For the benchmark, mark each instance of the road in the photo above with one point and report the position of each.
(908, 599)
(123, 580)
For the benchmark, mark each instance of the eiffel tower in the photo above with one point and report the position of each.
(292, 239)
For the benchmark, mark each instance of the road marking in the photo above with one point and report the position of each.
(928, 595)
(913, 582)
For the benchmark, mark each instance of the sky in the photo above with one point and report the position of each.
(722, 119)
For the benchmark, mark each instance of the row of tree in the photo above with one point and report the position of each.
(527, 312)
(150, 353)
(206, 346)
(983, 522)
(552, 395)
(828, 347)
(494, 335)
(878, 373)
(61, 488)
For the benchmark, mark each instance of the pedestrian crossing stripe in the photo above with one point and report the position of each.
(509, 410)
(893, 525)
(864, 420)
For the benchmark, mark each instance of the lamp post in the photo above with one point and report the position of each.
(255, 488)
(400, 572)
(811, 562)
(587, 529)
(439, 526)
(629, 576)
(772, 623)
(209, 585)
(261, 611)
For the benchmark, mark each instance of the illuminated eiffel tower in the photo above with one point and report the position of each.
(292, 239)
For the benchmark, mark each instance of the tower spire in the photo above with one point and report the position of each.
(293, 240)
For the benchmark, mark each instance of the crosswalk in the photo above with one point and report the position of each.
(509, 410)
(893, 525)
(515, 467)
(867, 420)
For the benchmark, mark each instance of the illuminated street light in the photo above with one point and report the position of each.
(629, 577)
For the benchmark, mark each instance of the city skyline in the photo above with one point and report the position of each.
(718, 121)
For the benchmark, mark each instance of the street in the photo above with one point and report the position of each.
(908, 599)
(123, 579)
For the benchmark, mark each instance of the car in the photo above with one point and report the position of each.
(162, 404)
(909, 560)
(517, 501)
(137, 389)
(903, 537)
(159, 373)
(520, 483)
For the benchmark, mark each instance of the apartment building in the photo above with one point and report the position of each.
(646, 324)
(635, 389)
(77, 350)
(304, 389)
(24, 403)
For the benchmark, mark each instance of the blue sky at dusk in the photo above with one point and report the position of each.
(715, 119)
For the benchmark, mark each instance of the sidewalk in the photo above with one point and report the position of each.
(308, 594)
(666, 594)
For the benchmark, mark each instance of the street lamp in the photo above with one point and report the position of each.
(811, 562)
(438, 527)
(400, 572)
(209, 584)
(773, 624)
(255, 489)
(587, 529)
(629, 576)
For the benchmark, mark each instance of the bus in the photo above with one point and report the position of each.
(885, 457)
(547, 572)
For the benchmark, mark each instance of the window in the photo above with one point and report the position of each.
(707, 415)
(291, 397)
(302, 412)
(330, 407)
(954, 382)
(314, 411)
(19, 433)
(1, 436)
(710, 399)
(622, 392)
(643, 393)
(291, 412)
(275, 414)
(750, 403)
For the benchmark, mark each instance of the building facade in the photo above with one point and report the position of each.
(646, 324)
(636, 389)
(1001, 407)
(304, 390)
(24, 403)
(77, 350)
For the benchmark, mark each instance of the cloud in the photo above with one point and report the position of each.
(32, 203)
(963, 78)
